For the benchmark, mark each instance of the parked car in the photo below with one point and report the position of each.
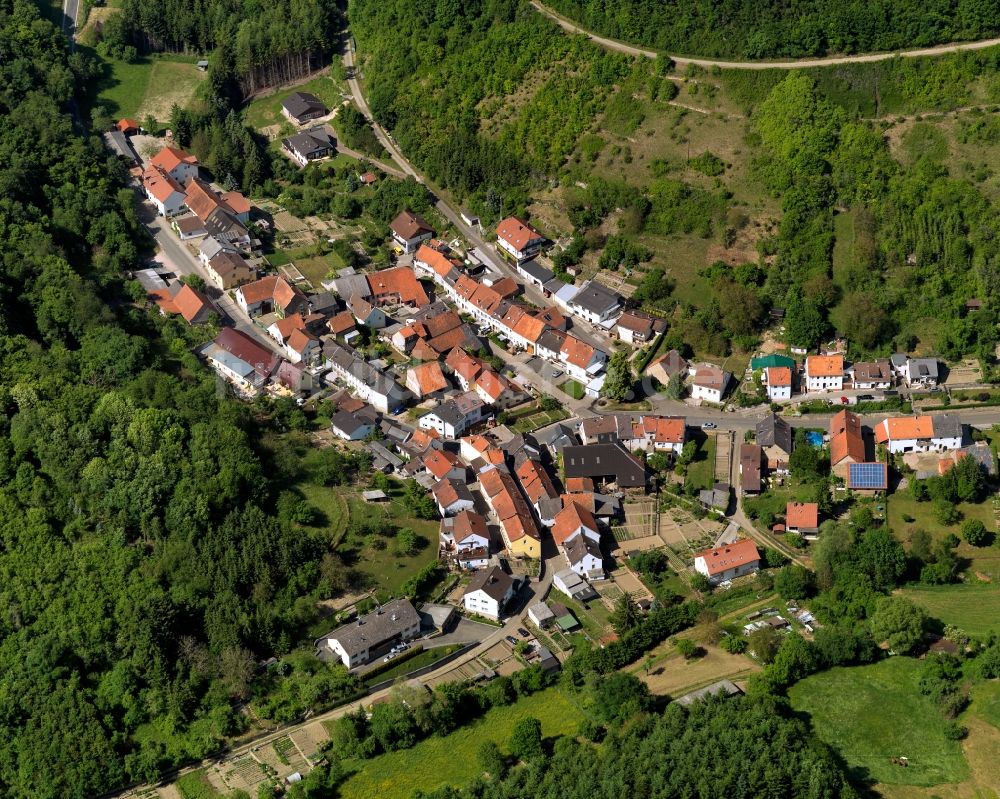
(708, 425)
(522, 632)
(510, 639)
(390, 656)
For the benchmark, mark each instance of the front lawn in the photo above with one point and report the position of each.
(150, 86)
(573, 388)
(972, 608)
(871, 714)
(451, 759)
(701, 470)
(264, 111)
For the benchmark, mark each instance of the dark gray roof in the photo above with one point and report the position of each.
(379, 450)
(922, 368)
(495, 583)
(298, 104)
(551, 340)
(946, 425)
(557, 437)
(549, 508)
(597, 298)
(308, 142)
(347, 422)
(323, 302)
(350, 361)
(537, 271)
(773, 431)
(118, 143)
(220, 222)
(604, 460)
(377, 627)
(899, 360)
(579, 546)
(350, 286)
(449, 413)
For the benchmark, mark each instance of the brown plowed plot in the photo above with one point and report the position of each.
(639, 544)
(676, 676)
(723, 454)
(164, 792)
(630, 584)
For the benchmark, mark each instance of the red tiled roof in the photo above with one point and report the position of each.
(237, 202)
(427, 377)
(739, 553)
(436, 260)
(439, 462)
(125, 125)
(802, 514)
(904, 427)
(169, 158)
(190, 303)
(299, 341)
(463, 364)
(779, 376)
(341, 323)
(469, 523)
(535, 481)
(517, 232)
(529, 328)
(574, 484)
(578, 353)
(825, 365)
(158, 183)
(505, 287)
(202, 199)
(491, 384)
(571, 518)
(398, 280)
(845, 438)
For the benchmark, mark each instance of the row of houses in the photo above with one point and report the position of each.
(492, 307)
(823, 373)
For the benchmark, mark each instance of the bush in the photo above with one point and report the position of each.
(975, 533)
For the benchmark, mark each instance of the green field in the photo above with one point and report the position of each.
(265, 111)
(902, 504)
(386, 569)
(151, 86)
(451, 759)
(195, 785)
(871, 714)
(972, 608)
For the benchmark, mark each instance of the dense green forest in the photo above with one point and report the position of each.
(753, 29)
(256, 44)
(144, 568)
(741, 748)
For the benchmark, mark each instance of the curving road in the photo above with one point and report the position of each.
(800, 63)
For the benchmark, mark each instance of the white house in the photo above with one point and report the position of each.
(518, 240)
(659, 433)
(350, 426)
(920, 433)
(467, 530)
(871, 375)
(446, 419)
(181, 166)
(367, 382)
(710, 383)
(409, 229)
(778, 381)
(163, 191)
(452, 496)
(584, 557)
(582, 361)
(595, 303)
(728, 561)
(922, 372)
(363, 640)
(489, 592)
(824, 373)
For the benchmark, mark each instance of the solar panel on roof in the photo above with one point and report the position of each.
(867, 475)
